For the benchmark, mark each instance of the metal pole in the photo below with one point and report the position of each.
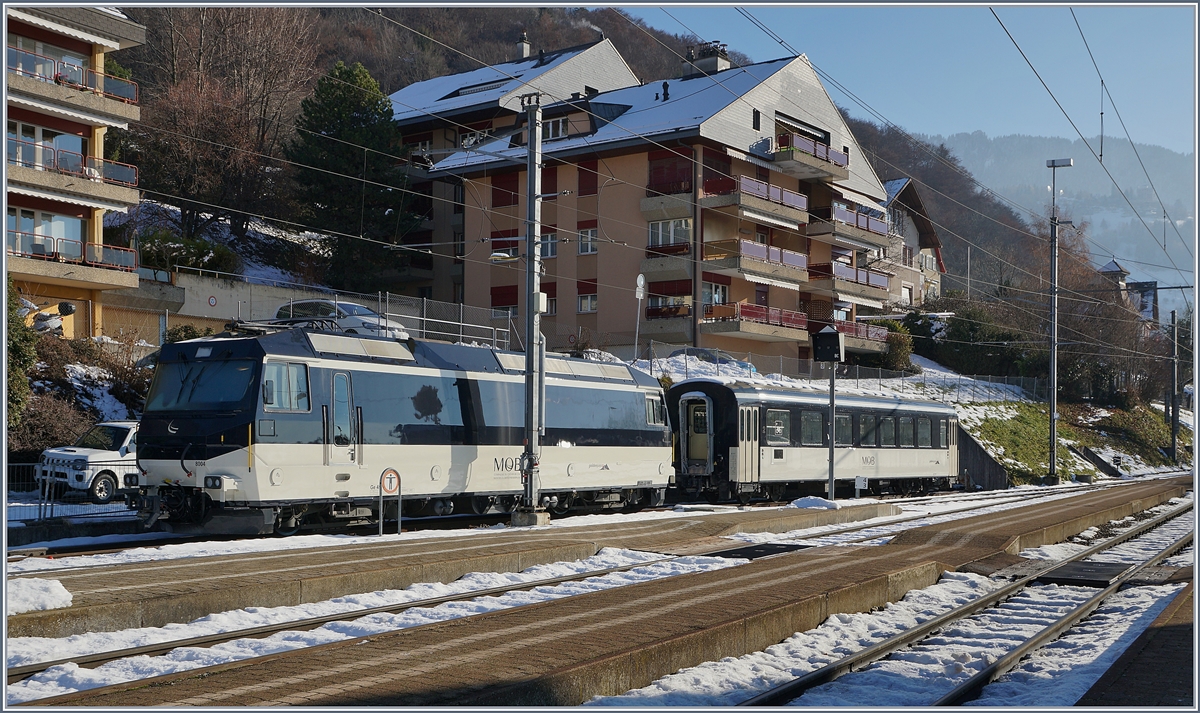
(637, 323)
(533, 264)
(968, 273)
(1054, 165)
(1174, 389)
(832, 419)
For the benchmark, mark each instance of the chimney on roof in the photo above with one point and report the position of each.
(523, 46)
(708, 58)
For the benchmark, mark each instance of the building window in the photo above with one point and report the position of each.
(38, 58)
(460, 293)
(425, 293)
(504, 312)
(656, 301)
(760, 237)
(551, 306)
(460, 244)
(467, 139)
(459, 197)
(713, 294)
(555, 128)
(587, 241)
(906, 295)
(587, 303)
(38, 147)
(670, 232)
(549, 245)
(51, 225)
(757, 120)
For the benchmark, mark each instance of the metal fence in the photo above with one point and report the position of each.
(33, 501)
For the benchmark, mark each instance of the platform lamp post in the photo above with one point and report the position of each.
(829, 345)
(1054, 164)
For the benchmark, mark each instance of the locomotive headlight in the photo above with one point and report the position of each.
(212, 482)
(79, 464)
(131, 480)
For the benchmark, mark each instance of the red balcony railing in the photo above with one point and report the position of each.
(854, 329)
(742, 311)
(46, 247)
(862, 221)
(841, 271)
(754, 187)
(67, 74)
(719, 249)
(806, 145)
(667, 189)
(668, 311)
(46, 158)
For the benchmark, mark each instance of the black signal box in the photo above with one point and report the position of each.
(829, 345)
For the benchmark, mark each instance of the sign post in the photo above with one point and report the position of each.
(640, 293)
(829, 345)
(389, 484)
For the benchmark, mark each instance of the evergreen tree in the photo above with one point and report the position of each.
(350, 178)
(22, 355)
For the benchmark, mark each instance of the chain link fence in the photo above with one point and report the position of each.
(32, 500)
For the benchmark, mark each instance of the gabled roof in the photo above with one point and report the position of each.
(902, 192)
(501, 85)
(1113, 267)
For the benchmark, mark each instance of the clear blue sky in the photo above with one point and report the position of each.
(944, 70)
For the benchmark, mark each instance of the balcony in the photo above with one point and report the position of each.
(756, 201)
(667, 201)
(736, 257)
(800, 156)
(667, 262)
(860, 338)
(858, 285)
(859, 229)
(70, 262)
(756, 322)
(67, 172)
(672, 323)
(35, 81)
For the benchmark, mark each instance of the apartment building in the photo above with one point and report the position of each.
(913, 258)
(58, 184)
(441, 116)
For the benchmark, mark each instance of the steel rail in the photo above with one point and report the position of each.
(18, 673)
(972, 687)
(782, 694)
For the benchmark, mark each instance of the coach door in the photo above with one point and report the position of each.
(696, 436)
(342, 431)
(748, 455)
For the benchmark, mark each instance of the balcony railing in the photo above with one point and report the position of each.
(743, 311)
(668, 311)
(754, 187)
(719, 249)
(46, 247)
(668, 249)
(841, 271)
(71, 75)
(806, 145)
(46, 158)
(858, 329)
(862, 221)
(668, 189)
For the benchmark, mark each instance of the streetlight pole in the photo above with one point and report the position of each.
(1054, 165)
(530, 512)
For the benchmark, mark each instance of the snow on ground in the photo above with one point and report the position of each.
(34, 594)
(69, 678)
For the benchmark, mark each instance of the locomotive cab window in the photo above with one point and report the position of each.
(866, 430)
(906, 432)
(924, 433)
(285, 387)
(842, 432)
(943, 441)
(778, 427)
(812, 429)
(887, 432)
(654, 411)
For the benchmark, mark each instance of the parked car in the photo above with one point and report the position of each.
(97, 463)
(715, 356)
(351, 317)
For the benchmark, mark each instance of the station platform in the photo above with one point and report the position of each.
(1159, 668)
(564, 652)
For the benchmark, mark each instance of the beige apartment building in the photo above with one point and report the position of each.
(58, 185)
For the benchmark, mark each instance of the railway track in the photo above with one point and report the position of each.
(970, 688)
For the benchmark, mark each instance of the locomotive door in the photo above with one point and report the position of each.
(696, 436)
(748, 452)
(342, 433)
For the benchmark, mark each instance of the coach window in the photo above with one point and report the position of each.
(943, 441)
(866, 430)
(887, 432)
(779, 427)
(285, 387)
(841, 430)
(654, 410)
(906, 432)
(741, 425)
(924, 433)
(812, 429)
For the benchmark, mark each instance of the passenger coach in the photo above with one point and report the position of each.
(292, 428)
(739, 441)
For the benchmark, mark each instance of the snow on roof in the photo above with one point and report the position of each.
(481, 87)
(893, 188)
(1114, 266)
(691, 102)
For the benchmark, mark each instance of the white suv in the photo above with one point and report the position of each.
(353, 318)
(97, 463)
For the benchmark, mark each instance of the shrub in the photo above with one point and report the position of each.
(50, 420)
(184, 332)
(162, 248)
(22, 355)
